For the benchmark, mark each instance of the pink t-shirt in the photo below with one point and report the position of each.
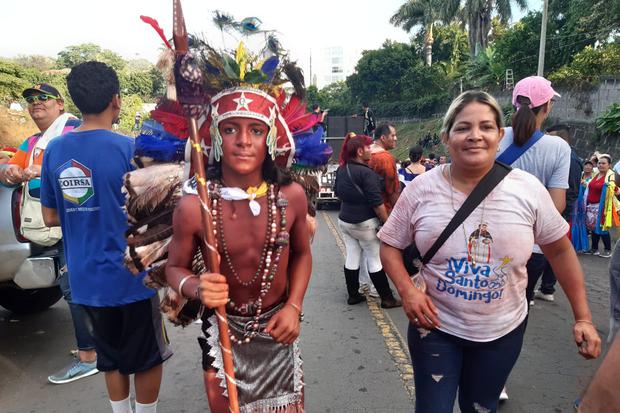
(477, 279)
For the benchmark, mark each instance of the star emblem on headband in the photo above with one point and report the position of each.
(242, 102)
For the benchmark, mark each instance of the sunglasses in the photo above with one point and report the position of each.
(40, 98)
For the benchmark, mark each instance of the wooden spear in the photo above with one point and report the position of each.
(212, 258)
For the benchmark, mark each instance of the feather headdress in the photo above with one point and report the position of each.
(212, 85)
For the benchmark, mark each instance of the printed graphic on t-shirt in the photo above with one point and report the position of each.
(479, 245)
(76, 182)
(474, 278)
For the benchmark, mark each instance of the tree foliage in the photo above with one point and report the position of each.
(379, 73)
(588, 66)
(131, 104)
(76, 54)
(609, 122)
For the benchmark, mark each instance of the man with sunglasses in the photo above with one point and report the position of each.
(47, 109)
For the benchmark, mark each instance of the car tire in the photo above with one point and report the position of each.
(29, 301)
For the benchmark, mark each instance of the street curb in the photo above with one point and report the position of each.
(394, 341)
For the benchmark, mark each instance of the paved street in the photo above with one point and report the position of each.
(354, 356)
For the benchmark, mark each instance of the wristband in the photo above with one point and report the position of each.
(584, 321)
(183, 282)
(296, 307)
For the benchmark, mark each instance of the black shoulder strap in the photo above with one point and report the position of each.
(484, 188)
(353, 182)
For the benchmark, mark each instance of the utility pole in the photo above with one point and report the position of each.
(543, 40)
(310, 67)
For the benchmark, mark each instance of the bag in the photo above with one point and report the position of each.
(477, 195)
(591, 215)
(32, 226)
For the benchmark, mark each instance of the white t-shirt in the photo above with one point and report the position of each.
(486, 300)
(548, 160)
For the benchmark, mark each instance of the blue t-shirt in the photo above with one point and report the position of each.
(82, 175)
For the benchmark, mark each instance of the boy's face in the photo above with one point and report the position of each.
(243, 144)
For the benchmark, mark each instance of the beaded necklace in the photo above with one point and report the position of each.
(275, 241)
(475, 247)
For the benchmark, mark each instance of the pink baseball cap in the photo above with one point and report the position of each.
(536, 88)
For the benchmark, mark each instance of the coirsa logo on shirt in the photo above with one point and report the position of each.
(76, 182)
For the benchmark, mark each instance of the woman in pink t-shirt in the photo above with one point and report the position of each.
(466, 327)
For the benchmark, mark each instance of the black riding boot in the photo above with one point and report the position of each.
(380, 281)
(352, 278)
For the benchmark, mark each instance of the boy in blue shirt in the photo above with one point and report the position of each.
(81, 191)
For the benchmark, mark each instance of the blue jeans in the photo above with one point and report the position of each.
(78, 316)
(443, 363)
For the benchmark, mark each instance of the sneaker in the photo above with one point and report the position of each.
(74, 371)
(596, 252)
(605, 254)
(590, 252)
(542, 296)
(503, 396)
(532, 303)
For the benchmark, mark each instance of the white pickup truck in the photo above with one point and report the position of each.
(327, 178)
(28, 272)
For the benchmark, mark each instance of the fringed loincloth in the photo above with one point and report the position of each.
(268, 375)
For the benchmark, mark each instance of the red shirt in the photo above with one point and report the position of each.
(595, 187)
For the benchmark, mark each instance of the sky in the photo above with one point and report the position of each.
(46, 27)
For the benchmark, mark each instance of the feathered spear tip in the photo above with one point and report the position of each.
(296, 77)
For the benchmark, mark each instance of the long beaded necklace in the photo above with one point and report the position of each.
(475, 247)
(275, 241)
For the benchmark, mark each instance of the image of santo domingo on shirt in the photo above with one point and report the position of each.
(473, 277)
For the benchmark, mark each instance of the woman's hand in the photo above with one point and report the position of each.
(420, 308)
(213, 290)
(587, 339)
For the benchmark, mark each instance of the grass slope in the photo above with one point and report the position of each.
(409, 134)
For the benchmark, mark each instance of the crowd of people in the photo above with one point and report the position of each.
(464, 238)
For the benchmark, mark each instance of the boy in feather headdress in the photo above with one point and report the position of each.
(251, 132)
(266, 260)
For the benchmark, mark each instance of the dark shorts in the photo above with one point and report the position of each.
(129, 338)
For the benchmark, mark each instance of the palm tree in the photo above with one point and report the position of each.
(478, 13)
(424, 14)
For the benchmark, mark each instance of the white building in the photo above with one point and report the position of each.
(334, 64)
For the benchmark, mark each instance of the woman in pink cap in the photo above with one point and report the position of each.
(546, 157)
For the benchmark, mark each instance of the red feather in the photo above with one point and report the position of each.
(159, 30)
(294, 108)
(303, 123)
(296, 117)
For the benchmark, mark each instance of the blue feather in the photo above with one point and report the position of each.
(310, 152)
(270, 66)
(154, 142)
(250, 25)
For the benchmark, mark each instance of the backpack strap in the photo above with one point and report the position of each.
(514, 152)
